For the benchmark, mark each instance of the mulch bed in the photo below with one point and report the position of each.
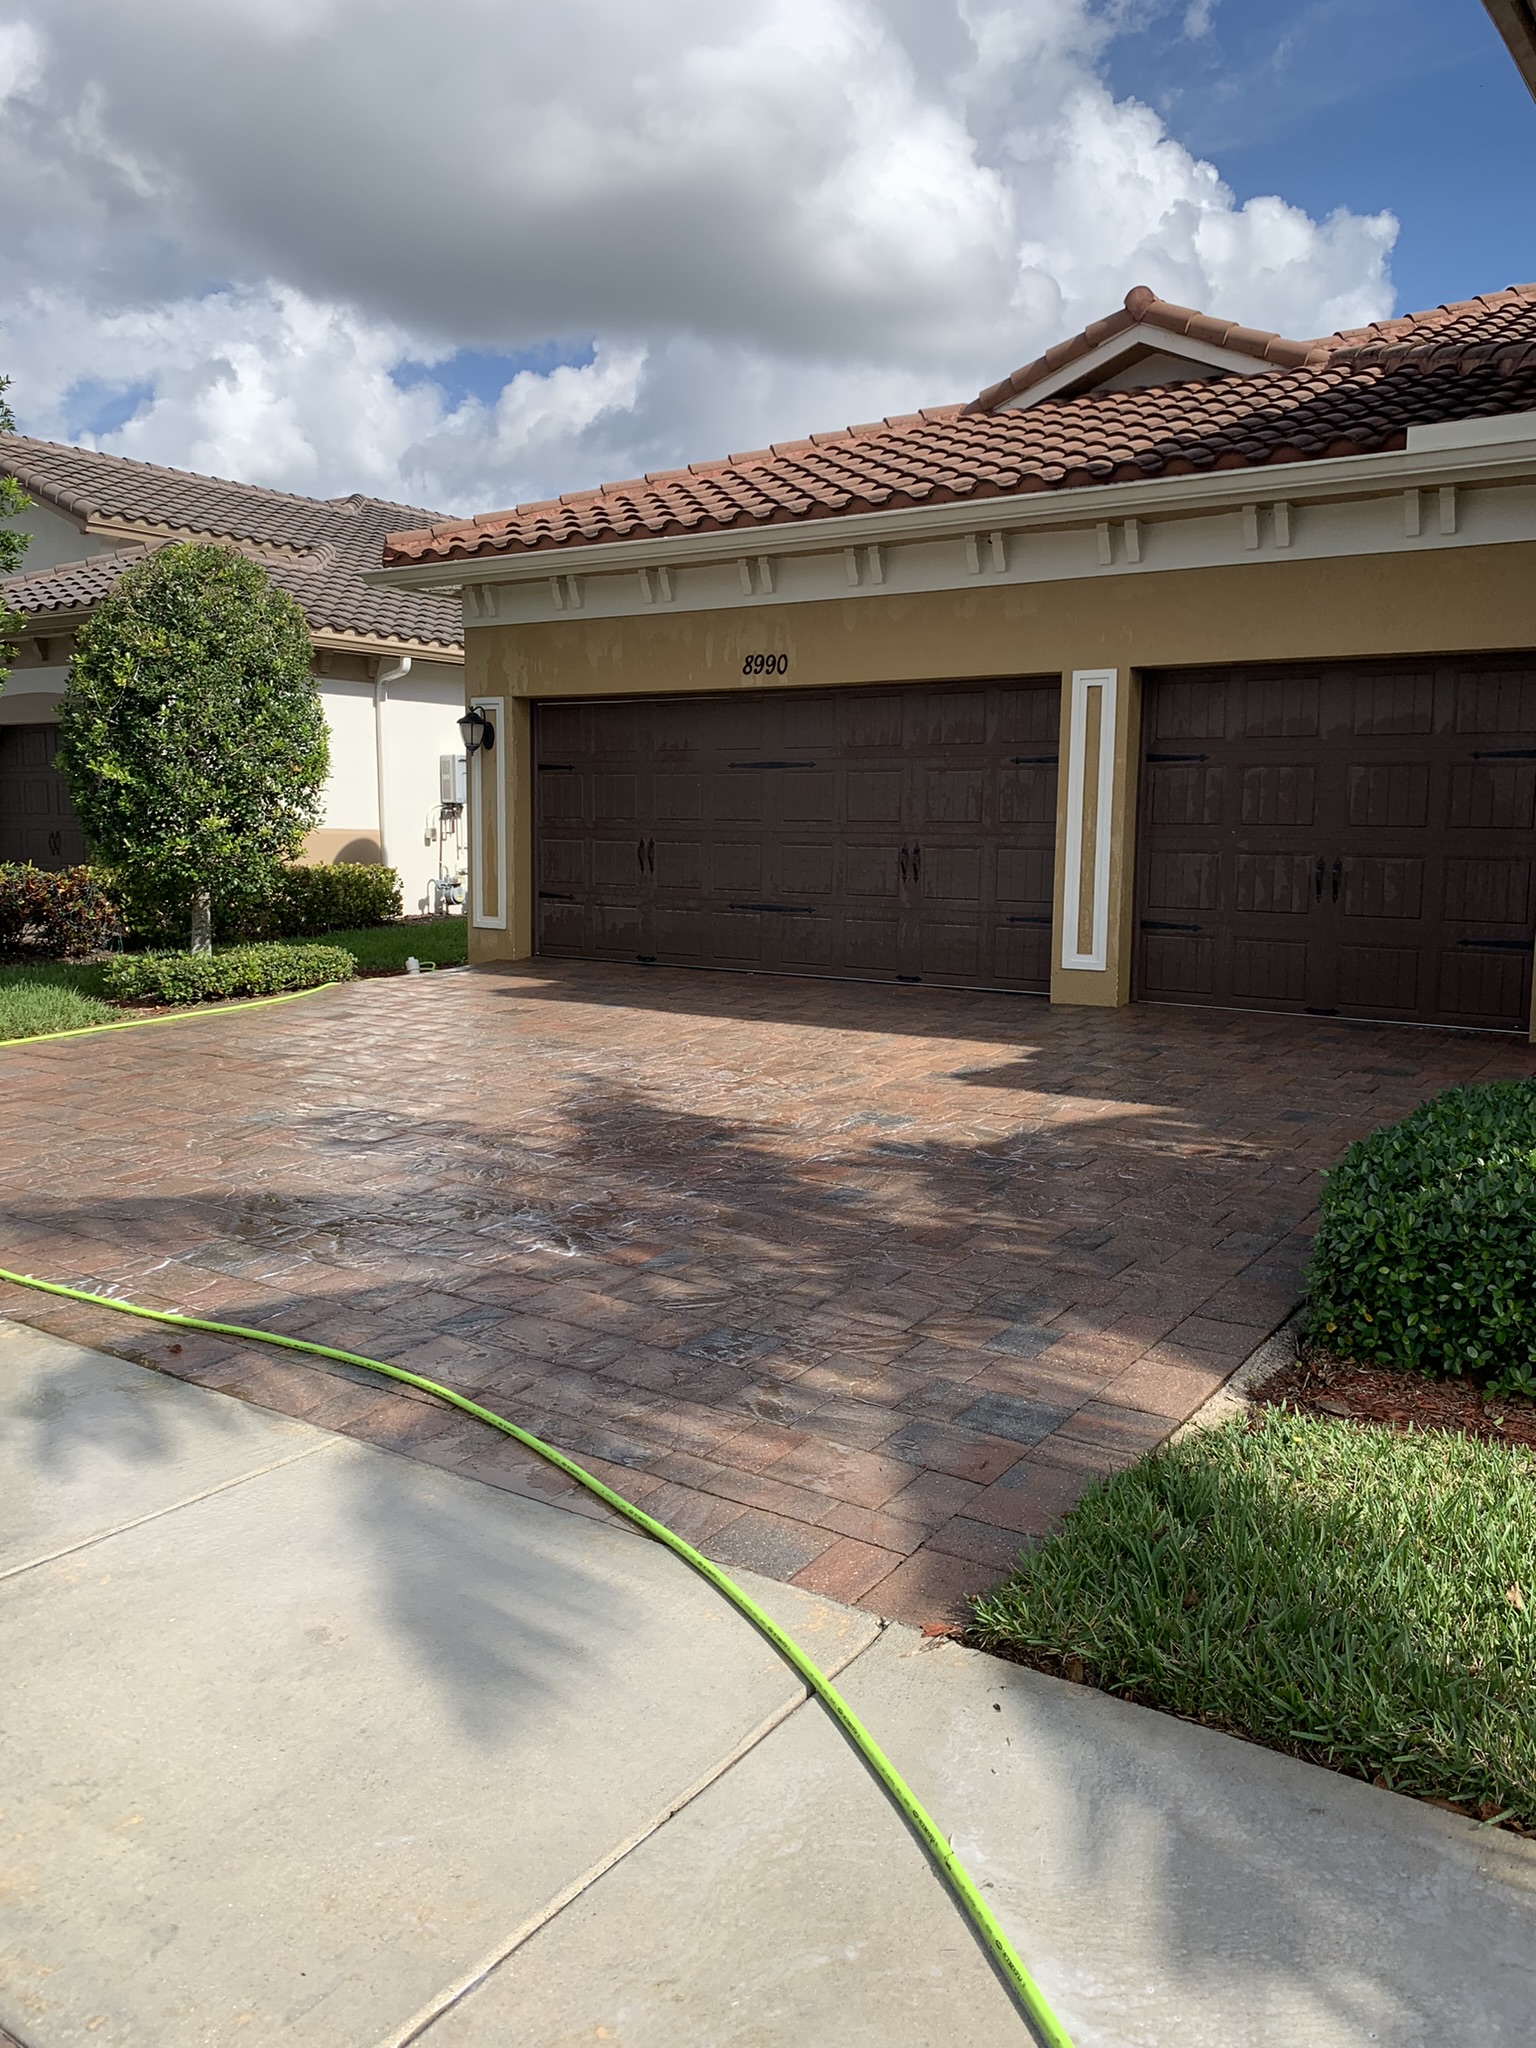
(1320, 1385)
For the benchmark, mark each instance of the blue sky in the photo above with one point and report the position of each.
(1414, 108)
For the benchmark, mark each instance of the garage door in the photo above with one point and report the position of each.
(37, 819)
(1347, 841)
(892, 834)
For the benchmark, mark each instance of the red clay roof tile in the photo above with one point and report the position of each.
(1351, 393)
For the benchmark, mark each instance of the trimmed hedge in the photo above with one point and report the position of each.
(59, 915)
(296, 902)
(1426, 1247)
(209, 977)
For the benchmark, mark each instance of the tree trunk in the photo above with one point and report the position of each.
(202, 922)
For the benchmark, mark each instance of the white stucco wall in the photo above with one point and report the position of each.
(55, 539)
(420, 714)
(30, 696)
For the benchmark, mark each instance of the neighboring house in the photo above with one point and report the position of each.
(1187, 663)
(389, 664)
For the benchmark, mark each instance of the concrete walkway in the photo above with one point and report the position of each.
(304, 1742)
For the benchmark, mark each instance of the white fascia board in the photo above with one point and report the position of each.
(1138, 341)
(1501, 431)
(1345, 476)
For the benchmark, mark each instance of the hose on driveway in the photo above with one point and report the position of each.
(1025, 1992)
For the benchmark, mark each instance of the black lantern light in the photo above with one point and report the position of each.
(478, 730)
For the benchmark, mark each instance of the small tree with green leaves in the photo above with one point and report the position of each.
(13, 545)
(191, 733)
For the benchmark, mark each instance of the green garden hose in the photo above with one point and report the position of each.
(1026, 1993)
(176, 1017)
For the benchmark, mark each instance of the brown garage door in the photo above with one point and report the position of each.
(37, 819)
(1346, 841)
(902, 834)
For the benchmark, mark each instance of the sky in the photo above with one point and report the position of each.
(481, 251)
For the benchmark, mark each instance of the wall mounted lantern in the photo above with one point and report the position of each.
(478, 731)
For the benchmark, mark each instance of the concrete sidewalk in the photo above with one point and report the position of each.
(305, 1742)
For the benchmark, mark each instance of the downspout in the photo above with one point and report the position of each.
(381, 683)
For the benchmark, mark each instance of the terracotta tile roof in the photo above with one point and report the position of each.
(315, 548)
(1349, 394)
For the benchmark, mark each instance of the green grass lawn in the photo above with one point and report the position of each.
(62, 996)
(1358, 1596)
(383, 949)
(51, 997)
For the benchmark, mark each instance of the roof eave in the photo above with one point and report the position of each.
(1317, 478)
(1515, 21)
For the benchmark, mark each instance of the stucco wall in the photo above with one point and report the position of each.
(55, 539)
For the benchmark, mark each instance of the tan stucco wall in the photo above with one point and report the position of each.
(1464, 599)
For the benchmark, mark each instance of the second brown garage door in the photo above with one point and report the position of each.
(1351, 841)
(889, 834)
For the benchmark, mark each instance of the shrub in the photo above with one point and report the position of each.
(1426, 1246)
(59, 915)
(192, 734)
(238, 971)
(292, 902)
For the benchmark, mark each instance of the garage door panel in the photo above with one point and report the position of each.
(1267, 884)
(872, 871)
(1383, 886)
(1389, 794)
(1489, 891)
(1275, 708)
(1279, 793)
(1269, 970)
(1024, 877)
(1385, 704)
(846, 832)
(808, 869)
(1184, 793)
(1493, 796)
(562, 795)
(1383, 867)
(1178, 964)
(875, 795)
(615, 798)
(1027, 796)
(1382, 979)
(1181, 878)
(1496, 703)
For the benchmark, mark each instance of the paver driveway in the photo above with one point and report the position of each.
(855, 1285)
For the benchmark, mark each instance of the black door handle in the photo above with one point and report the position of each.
(1338, 869)
(640, 855)
(917, 862)
(903, 863)
(1317, 879)
(650, 854)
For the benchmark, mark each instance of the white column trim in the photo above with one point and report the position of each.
(495, 709)
(1084, 682)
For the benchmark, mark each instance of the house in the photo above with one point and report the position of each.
(1186, 664)
(388, 664)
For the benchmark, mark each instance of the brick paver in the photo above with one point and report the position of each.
(857, 1286)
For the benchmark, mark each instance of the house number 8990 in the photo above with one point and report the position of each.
(766, 665)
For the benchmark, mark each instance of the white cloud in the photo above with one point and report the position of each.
(756, 221)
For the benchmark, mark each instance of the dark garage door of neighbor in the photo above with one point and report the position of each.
(1352, 841)
(37, 819)
(888, 834)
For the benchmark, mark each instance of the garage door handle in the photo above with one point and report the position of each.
(1317, 879)
(903, 863)
(917, 862)
(650, 855)
(1338, 869)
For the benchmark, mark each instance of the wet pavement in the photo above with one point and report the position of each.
(855, 1286)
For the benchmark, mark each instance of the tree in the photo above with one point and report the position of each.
(13, 545)
(191, 733)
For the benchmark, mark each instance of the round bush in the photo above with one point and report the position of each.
(1426, 1245)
